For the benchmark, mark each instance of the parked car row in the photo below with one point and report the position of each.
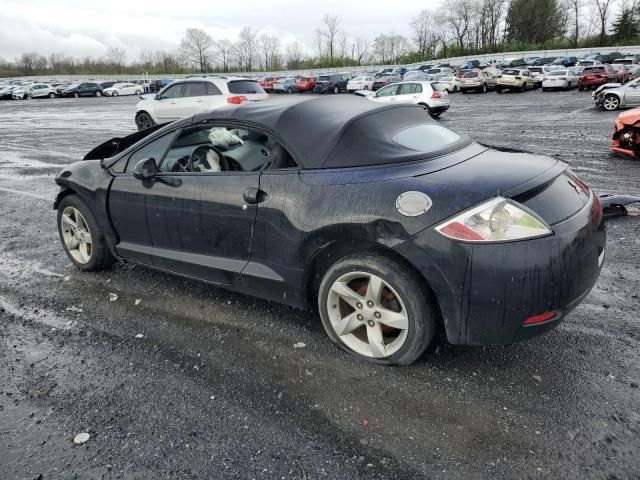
(25, 90)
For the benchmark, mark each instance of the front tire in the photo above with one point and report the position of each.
(52, 95)
(82, 239)
(611, 102)
(144, 121)
(76, 94)
(115, 93)
(336, 89)
(98, 93)
(376, 310)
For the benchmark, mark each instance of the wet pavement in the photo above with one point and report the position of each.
(215, 388)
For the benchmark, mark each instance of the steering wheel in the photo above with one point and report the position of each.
(199, 157)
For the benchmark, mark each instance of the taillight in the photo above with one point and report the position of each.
(541, 318)
(237, 100)
(436, 95)
(496, 220)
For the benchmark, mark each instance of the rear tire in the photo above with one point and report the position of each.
(484, 88)
(336, 90)
(98, 93)
(52, 95)
(97, 255)
(400, 294)
(523, 88)
(498, 89)
(76, 94)
(114, 94)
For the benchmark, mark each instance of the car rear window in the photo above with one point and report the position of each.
(437, 87)
(511, 72)
(593, 70)
(470, 75)
(244, 86)
(425, 137)
(558, 72)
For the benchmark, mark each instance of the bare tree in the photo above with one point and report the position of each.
(117, 56)
(247, 46)
(361, 46)
(224, 48)
(294, 55)
(602, 11)
(330, 33)
(269, 46)
(196, 48)
(458, 16)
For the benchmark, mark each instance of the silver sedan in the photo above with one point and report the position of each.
(559, 79)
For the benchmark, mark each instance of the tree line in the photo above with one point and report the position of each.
(456, 28)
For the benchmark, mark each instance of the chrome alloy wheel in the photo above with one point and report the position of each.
(367, 314)
(76, 235)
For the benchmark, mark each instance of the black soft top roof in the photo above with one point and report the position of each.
(335, 131)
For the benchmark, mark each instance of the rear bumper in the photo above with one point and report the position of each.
(486, 292)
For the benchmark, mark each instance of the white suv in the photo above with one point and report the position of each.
(433, 97)
(189, 96)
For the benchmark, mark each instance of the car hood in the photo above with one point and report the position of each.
(116, 145)
(630, 117)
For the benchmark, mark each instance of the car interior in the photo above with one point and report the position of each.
(210, 149)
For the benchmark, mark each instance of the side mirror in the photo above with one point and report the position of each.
(145, 169)
(157, 96)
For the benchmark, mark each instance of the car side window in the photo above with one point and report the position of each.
(154, 149)
(173, 91)
(387, 91)
(408, 88)
(212, 89)
(194, 89)
(206, 149)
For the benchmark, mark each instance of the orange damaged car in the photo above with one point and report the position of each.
(626, 137)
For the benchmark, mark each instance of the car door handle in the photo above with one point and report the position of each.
(253, 196)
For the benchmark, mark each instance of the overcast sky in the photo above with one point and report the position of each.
(89, 27)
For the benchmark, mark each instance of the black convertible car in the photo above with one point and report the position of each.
(391, 224)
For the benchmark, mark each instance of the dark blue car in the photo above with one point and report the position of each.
(334, 83)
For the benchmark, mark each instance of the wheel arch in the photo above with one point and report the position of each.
(320, 263)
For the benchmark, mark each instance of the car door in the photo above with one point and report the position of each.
(632, 93)
(165, 106)
(193, 99)
(386, 94)
(408, 92)
(215, 99)
(200, 217)
(127, 200)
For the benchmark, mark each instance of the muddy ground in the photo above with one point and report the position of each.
(215, 387)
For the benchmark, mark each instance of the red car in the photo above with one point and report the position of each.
(592, 77)
(306, 84)
(267, 83)
(626, 137)
(622, 74)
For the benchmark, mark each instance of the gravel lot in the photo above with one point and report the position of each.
(215, 387)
